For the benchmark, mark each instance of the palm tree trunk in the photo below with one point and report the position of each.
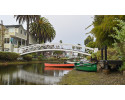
(39, 38)
(27, 32)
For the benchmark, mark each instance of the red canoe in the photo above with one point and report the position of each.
(59, 65)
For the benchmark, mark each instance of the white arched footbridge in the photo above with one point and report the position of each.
(56, 47)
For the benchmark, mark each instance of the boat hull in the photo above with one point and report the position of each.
(87, 67)
(59, 65)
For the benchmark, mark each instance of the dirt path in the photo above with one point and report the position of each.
(92, 78)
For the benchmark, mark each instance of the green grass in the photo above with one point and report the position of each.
(75, 77)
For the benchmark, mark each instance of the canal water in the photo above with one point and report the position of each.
(31, 74)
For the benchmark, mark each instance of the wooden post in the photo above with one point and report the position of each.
(105, 52)
(102, 53)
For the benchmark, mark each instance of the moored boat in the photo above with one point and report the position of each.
(87, 67)
(59, 65)
(75, 63)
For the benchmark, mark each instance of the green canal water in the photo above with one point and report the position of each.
(30, 74)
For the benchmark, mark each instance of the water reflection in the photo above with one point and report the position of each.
(31, 74)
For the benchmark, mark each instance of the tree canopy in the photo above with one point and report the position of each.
(43, 30)
(103, 28)
(28, 19)
(88, 39)
(120, 36)
(60, 41)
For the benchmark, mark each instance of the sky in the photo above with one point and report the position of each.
(69, 28)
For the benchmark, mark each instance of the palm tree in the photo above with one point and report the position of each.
(28, 19)
(42, 30)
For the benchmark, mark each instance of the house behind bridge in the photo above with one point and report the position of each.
(15, 37)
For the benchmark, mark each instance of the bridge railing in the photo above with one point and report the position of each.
(55, 46)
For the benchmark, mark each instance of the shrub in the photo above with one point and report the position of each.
(91, 44)
(27, 57)
(88, 57)
(8, 56)
(40, 57)
(34, 55)
(112, 54)
(63, 58)
(122, 68)
(94, 55)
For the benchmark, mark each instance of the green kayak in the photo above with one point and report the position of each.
(87, 67)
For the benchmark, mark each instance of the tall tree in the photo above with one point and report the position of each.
(88, 39)
(120, 36)
(43, 30)
(28, 19)
(103, 28)
(60, 41)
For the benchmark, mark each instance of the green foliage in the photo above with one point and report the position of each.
(103, 28)
(34, 55)
(8, 56)
(91, 44)
(42, 30)
(60, 41)
(88, 39)
(58, 52)
(122, 68)
(28, 19)
(73, 47)
(88, 57)
(40, 57)
(94, 55)
(112, 54)
(27, 57)
(63, 58)
(120, 37)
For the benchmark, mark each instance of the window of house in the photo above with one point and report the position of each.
(24, 33)
(6, 40)
(11, 30)
(21, 31)
(16, 29)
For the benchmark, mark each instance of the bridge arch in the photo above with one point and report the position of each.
(56, 47)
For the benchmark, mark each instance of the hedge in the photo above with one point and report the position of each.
(27, 57)
(8, 56)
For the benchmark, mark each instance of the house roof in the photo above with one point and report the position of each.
(16, 26)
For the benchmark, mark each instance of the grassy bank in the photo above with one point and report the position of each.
(25, 62)
(75, 77)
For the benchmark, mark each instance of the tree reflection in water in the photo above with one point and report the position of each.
(30, 74)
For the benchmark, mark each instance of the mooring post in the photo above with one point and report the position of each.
(102, 53)
(105, 52)
(106, 62)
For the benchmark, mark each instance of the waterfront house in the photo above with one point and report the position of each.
(15, 37)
